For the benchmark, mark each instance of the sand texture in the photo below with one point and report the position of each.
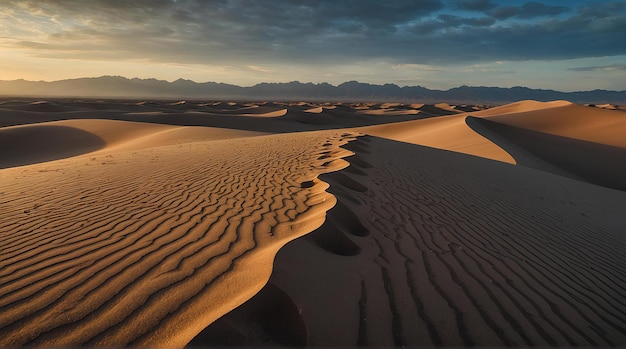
(174, 223)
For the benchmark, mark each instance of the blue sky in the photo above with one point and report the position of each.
(563, 45)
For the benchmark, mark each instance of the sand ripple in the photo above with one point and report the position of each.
(432, 248)
(148, 247)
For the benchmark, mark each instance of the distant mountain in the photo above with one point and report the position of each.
(120, 87)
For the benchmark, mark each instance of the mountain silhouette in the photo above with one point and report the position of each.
(121, 87)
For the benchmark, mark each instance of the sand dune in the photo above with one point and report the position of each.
(123, 225)
(269, 114)
(20, 145)
(448, 107)
(160, 233)
(315, 110)
(432, 260)
(390, 111)
(389, 105)
(445, 132)
(604, 106)
(23, 145)
(523, 106)
(567, 120)
(558, 137)
(258, 116)
(45, 106)
(586, 142)
(441, 264)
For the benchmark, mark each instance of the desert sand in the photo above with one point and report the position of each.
(187, 223)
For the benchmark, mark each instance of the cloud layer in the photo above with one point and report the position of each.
(314, 32)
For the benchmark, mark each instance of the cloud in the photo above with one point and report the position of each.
(474, 5)
(417, 67)
(259, 69)
(611, 67)
(603, 10)
(536, 9)
(309, 33)
(446, 21)
(527, 11)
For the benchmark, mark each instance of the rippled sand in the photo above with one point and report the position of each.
(168, 224)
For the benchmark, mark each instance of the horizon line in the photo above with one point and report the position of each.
(300, 82)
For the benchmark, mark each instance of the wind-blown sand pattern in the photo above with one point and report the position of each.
(124, 248)
(122, 225)
(443, 264)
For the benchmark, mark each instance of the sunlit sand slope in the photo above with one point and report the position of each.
(443, 132)
(148, 246)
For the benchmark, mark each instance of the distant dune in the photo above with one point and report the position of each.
(188, 223)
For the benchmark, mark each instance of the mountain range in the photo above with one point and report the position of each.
(121, 87)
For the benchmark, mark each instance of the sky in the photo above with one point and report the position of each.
(567, 45)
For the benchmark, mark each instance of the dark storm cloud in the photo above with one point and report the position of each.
(324, 31)
(474, 5)
(604, 10)
(528, 10)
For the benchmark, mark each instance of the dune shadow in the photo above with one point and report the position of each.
(40, 143)
(599, 164)
(270, 318)
(330, 237)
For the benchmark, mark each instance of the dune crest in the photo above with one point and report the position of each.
(443, 132)
(560, 137)
(315, 110)
(521, 106)
(110, 255)
(269, 114)
(565, 119)
(429, 248)
(390, 111)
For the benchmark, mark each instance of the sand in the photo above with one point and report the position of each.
(165, 224)
(444, 132)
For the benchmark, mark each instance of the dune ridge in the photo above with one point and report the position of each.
(147, 247)
(567, 120)
(582, 141)
(597, 163)
(443, 132)
(416, 253)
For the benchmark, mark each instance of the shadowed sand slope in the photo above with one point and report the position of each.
(34, 143)
(23, 145)
(597, 163)
(587, 142)
(147, 247)
(427, 247)
(563, 119)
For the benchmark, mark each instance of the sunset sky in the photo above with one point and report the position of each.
(565, 45)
